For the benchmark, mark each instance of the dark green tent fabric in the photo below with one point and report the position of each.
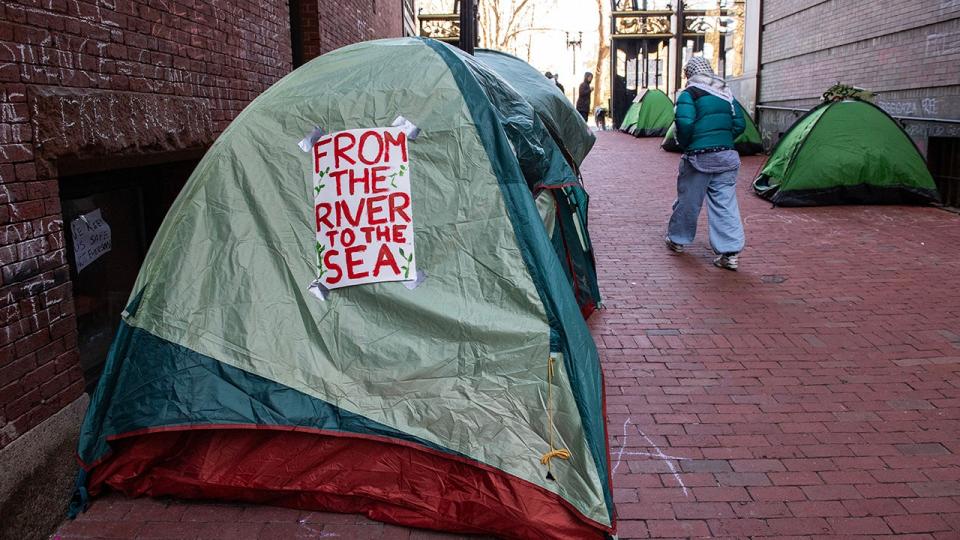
(845, 152)
(575, 340)
(572, 138)
(649, 116)
(554, 109)
(747, 144)
(541, 159)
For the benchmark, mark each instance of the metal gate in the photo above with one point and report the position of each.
(645, 34)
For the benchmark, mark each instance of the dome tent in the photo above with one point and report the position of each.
(747, 144)
(565, 205)
(553, 179)
(430, 406)
(845, 152)
(650, 115)
(555, 110)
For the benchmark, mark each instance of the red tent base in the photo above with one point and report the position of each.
(395, 483)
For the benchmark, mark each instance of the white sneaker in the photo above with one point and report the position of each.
(727, 262)
(673, 246)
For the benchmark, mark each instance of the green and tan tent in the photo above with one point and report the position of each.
(747, 144)
(650, 115)
(564, 206)
(457, 388)
(845, 152)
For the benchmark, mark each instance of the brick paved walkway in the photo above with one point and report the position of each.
(815, 392)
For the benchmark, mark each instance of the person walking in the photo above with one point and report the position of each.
(583, 100)
(707, 124)
(555, 80)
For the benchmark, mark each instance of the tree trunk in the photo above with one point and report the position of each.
(601, 88)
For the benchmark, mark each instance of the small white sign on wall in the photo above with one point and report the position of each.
(91, 238)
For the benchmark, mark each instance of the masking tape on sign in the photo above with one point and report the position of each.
(319, 290)
(307, 142)
(414, 283)
(408, 127)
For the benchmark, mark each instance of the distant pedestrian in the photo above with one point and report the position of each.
(583, 100)
(707, 124)
(555, 80)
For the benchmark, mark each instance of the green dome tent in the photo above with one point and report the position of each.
(555, 110)
(455, 386)
(845, 152)
(650, 115)
(566, 205)
(747, 144)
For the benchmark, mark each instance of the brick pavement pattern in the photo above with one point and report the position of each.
(813, 393)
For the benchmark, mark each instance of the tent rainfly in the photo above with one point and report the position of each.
(555, 110)
(564, 207)
(373, 321)
(845, 152)
(650, 115)
(747, 144)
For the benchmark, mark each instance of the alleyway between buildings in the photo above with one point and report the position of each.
(814, 392)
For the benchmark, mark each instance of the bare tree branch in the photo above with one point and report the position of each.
(518, 31)
(516, 11)
(496, 17)
(501, 21)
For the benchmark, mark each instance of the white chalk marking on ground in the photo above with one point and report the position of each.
(666, 459)
(320, 534)
(657, 453)
(623, 445)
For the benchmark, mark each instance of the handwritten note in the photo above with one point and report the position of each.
(91, 238)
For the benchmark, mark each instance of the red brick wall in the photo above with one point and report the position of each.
(907, 52)
(348, 21)
(73, 73)
(98, 79)
(887, 46)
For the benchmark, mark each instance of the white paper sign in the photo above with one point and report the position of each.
(91, 238)
(363, 208)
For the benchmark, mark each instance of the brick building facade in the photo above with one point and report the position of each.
(106, 106)
(907, 52)
(329, 25)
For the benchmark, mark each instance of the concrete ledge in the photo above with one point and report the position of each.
(37, 472)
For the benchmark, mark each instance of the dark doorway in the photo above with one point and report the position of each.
(112, 217)
(638, 64)
(296, 33)
(943, 158)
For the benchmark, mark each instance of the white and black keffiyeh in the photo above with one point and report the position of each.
(700, 75)
(698, 65)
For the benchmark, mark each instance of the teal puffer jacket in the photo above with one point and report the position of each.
(706, 121)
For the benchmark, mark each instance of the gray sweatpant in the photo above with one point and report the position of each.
(723, 213)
